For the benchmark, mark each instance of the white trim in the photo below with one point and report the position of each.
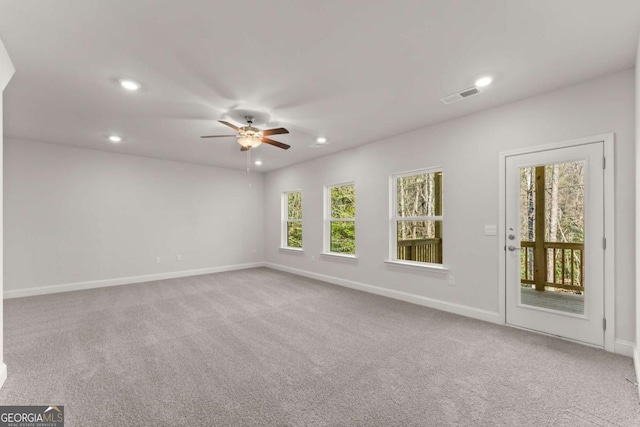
(502, 232)
(7, 69)
(52, 289)
(609, 207)
(438, 268)
(3, 374)
(522, 328)
(393, 211)
(339, 255)
(636, 364)
(557, 145)
(421, 171)
(284, 216)
(609, 233)
(462, 310)
(289, 248)
(327, 219)
(418, 218)
(624, 348)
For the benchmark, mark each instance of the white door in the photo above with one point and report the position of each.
(555, 241)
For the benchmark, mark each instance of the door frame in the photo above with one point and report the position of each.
(608, 140)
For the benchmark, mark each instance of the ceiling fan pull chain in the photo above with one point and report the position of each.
(249, 168)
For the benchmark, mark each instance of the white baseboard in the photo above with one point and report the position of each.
(624, 348)
(3, 374)
(42, 290)
(463, 310)
(636, 364)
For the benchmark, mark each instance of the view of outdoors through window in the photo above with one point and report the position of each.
(552, 235)
(342, 232)
(294, 220)
(418, 218)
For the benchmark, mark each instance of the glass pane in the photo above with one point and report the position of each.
(343, 201)
(419, 195)
(294, 205)
(294, 234)
(527, 204)
(343, 237)
(552, 245)
(420, 241)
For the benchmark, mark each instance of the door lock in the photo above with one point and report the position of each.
(511, 236)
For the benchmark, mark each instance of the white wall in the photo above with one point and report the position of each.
(6, 72)
(76, 215)
(467, 149)
(637, 199)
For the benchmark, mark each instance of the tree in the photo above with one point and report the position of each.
(294, 220)
(343, 209)
(563, 216)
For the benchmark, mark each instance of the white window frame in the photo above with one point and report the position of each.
(285, 220)
(394, 218)
(328, 220)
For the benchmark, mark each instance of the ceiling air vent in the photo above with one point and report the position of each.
(460, 95)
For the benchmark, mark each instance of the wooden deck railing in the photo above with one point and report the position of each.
(563, 266)
(423, 250)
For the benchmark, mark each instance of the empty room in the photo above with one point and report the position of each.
(319, 213)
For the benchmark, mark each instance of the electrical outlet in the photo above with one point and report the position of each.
(178, 257)
(158, 260)
(313, 258)
(452, 280)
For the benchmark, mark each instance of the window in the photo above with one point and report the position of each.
(292, 219)
(416, 217)
(340, 225)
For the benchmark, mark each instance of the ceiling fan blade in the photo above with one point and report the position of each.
(276, 143)
(234, 127)
(217, 136)
(244, 148)
(276, 131)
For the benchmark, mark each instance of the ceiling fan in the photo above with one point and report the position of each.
(250, 137)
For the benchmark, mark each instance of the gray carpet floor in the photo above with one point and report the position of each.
(264, 348)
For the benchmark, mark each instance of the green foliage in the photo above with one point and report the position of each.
(294, 205)
(343, 206)
(343, 237)
(294, 217)
(294, 234)
(343, 202)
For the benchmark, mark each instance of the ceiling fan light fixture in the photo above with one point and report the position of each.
(249, 137)
(249, 141)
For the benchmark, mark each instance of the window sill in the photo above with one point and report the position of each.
(419, 265)
(286, 248)
(339, 255)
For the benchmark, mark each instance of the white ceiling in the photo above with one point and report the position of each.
(354, 71)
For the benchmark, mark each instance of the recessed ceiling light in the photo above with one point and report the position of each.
(484, 81)
(130, 84)
(258, 162)
(321, 140)
(115, 138)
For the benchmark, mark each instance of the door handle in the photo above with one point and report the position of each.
(513, 248)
